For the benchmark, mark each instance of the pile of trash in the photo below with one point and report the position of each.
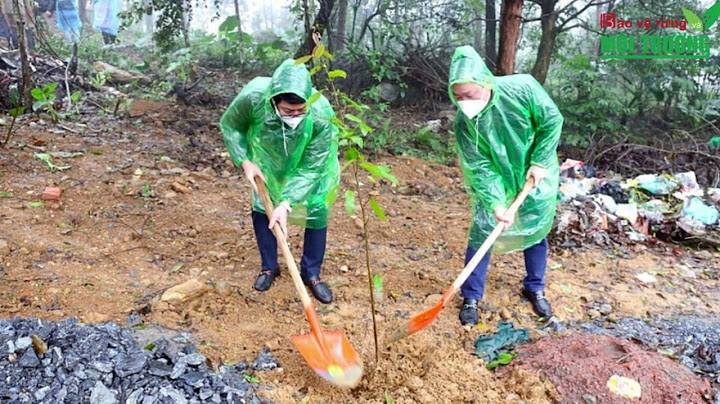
(615, 210)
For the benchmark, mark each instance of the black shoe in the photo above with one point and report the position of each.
(468, 312)
(539, 302)
(319, 289)
(265, 279)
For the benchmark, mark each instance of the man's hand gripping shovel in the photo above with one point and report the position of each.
(425, 318)
(328, 353)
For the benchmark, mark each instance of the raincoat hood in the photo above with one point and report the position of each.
(468, 67)
(290, 78)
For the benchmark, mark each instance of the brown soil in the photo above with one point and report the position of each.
(154, 192)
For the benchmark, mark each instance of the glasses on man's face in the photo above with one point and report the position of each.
(291, 113)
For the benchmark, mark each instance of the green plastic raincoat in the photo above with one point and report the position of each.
(519, 127)
(300, 165)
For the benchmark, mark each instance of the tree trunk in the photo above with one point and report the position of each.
(509, 35)
(240, 33)
(306, 16)
(185, 23)
(490, 37)
(321, 21)
(341, 26)
(25, 98)
(478, 38)
(148, 20)
(547, 41)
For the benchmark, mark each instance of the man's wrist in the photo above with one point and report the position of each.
(287, 206)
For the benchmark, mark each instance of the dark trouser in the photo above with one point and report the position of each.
(108, 38)
(313, 247)
(535, 265)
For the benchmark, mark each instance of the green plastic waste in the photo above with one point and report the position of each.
(714, 142)
(520, 127)
(300, 165)
(489, 347)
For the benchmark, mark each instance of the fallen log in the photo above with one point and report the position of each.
(120, 76)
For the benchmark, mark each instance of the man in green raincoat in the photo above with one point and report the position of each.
(507, 131)
(271, 132)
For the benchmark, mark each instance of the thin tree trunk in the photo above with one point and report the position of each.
(340, 30)
(509, 35)
(240, 33)
(478, 38)
(148, 20)
(306, 14)
(490, 34)
(321, 21)
(25, 98)
(185, 23)
(547, 41)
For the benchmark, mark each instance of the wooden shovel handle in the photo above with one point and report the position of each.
(280, 236)
(470, 267)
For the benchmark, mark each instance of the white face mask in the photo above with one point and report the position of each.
(472, 107)
(291, 121)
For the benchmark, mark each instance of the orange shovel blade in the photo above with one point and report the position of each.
(333, 358)
(423, 319)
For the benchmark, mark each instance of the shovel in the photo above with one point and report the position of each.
(328, 353)
(425, 318)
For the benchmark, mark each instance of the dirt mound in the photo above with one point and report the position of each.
(580, 365)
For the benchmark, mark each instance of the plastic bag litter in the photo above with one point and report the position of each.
(688, 181)
(573, 188)
(627, 211)
(714, 194)
(606, 202)
(614, 190)
(655, 184)
(488, 347)
(624, 387)
(697, 210)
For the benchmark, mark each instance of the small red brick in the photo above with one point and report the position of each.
(51, 194)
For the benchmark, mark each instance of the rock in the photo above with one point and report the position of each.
(102, 395)
(42, 393)
(193, 379)
(170, 194)
(589, 399)
(126, 365)
(194, 359)
(38, 344)
(29, 359)
(180, 188)
(176, 396)
(605, 309)
(186, 291)
(265, 361)
(4, 248)
(432, 300)
(178, 370)
(505, 314)
(593, 314)
(344, 269)
(23, 343)
(102, 366)
(133, 320)
(51, 194)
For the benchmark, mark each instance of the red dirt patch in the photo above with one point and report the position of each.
(580, 365)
